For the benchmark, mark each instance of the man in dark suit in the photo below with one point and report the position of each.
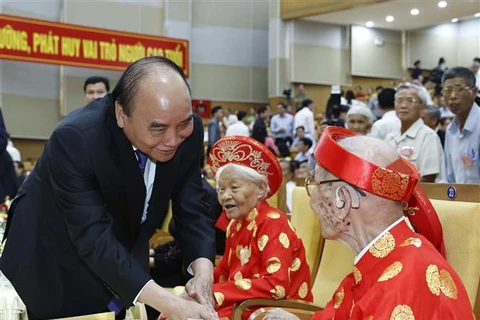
(8, 178)
(78, 232)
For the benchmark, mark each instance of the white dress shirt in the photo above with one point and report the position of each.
(238, 128)
(304, 118)
(389, 123)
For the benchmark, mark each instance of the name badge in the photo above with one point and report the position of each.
(406, 151)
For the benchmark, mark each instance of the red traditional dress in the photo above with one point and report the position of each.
(401, 276)
(264, 258)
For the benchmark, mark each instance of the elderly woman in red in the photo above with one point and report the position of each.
(264, 257)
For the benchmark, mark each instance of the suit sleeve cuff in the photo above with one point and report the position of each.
(138, 295)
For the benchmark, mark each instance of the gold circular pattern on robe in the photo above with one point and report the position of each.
(402, 312)
(369, 318)
(238, 249)
(243, 284)
(229, 256)
(273, 265)
(391, 271)
(252, 225)
(278, 292)
(433, 279)
(252, 215)
(239, 225)
(238, 276)
(219, 297)
(262, 242)
(447, 285)
(339, 298)
(411, 242)
(256, 276)
(383, 246)
(283, 238)
(222, 278)
(303, 290)
(296, 264)
(273, 215)
(356, 275)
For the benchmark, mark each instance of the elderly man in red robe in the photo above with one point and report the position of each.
(264, 257)
(361, 191)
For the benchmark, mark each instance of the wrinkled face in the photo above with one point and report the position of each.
(322, 202)
(458, 96)
(95, 91)
(408, 106)
(358, 123)
(161, 116)
(237, 195)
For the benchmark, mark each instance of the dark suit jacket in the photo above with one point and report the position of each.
(75, 239)
(8, 177)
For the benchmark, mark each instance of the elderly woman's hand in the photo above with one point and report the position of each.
(280, 314)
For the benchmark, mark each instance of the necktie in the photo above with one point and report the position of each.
(142, 160)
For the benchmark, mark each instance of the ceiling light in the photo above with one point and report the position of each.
(454, 20)
(389, 18)
(477, 15)
(369, 24)
(442, 4)
(414, 12)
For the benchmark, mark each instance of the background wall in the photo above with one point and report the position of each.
(458, 43)
(376, 52)
(320, 53)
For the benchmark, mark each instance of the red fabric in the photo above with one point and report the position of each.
(275, 269)
(247, 152)
(413, 281)
(222, 222)
(397, 182)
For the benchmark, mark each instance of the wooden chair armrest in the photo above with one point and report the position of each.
(241, 307)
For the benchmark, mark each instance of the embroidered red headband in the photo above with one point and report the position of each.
(247, 152)
(398, 182)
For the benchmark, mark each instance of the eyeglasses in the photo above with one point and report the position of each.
(446, 92)
(311, 184)
(407, 101)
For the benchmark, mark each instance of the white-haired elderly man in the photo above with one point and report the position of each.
(416, 142)
(360, 119)
(398, 273)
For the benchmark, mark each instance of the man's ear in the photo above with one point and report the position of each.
(120, 114)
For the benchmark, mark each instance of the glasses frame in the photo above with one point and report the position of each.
(310, 182)
(401, 101)
(456, 90)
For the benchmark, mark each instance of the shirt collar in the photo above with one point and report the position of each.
(370, 244)
(412, 131)
(470, 124)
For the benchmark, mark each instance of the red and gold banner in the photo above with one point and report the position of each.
(72, 45)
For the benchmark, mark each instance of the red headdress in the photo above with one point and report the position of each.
(247, 152)
(398, 181)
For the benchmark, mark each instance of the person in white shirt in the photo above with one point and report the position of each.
(304, 150)
(389, 121)
(14, 153)
(240, 127)
(305, 117)
(416, 142)
(229, 118)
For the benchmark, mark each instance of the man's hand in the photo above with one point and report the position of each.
(200, 286)
(189, 310)
(280, 314)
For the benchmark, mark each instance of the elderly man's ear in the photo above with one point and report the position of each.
(346, 198)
